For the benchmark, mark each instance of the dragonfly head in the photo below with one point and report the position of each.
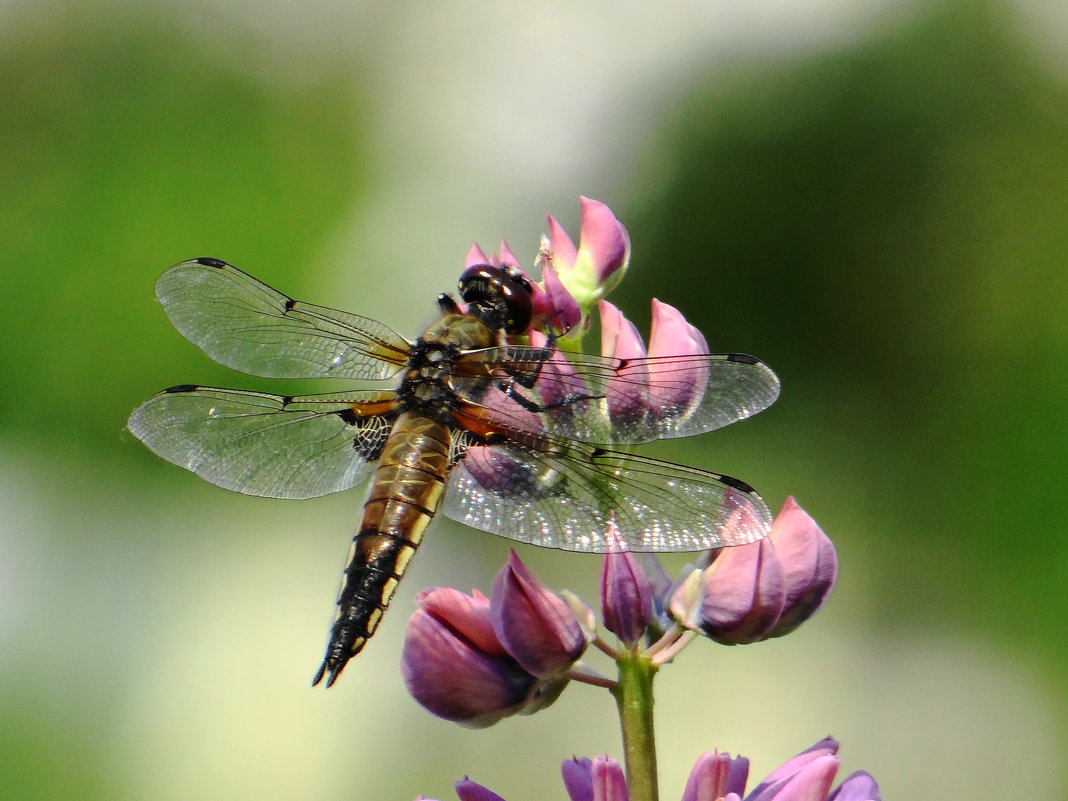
(499, 296)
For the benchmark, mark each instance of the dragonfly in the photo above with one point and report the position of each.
(476, 423)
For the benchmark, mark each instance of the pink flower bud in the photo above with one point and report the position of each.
(626, 392)
(578, 277)
(715, 775)
(807, 770)
(809, 563)
(675, 386)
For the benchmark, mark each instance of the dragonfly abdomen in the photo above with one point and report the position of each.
(402, 500)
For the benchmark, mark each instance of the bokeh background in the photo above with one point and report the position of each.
(871, 196)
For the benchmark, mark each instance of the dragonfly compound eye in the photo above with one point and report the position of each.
(499, 295)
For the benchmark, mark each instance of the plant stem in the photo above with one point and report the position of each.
(634, 699)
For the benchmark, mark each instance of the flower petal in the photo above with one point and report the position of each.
(556, 303)
(563, 249)
(507, 258)
(609, 784)
(467, 615)
(626, 597)
(468, 790)
(825, 747)
(811, 782)
(714, 775)
(454, 680)
(603, 241)
(673, 390)
(809, 563)
(859, 786)
(741, 595)
(626, 391)
(534, 624)
(558, 383)
(475, 256)
(578, 780)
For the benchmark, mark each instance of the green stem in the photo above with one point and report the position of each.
(634, 699)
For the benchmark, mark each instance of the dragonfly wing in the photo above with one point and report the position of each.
(551, 492)
(608, 401)
(242, 323)
(267, 445)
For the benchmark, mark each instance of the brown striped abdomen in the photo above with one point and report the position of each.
(402, 500)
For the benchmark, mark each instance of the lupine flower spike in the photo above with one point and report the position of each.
(477, 660)
(716, 776)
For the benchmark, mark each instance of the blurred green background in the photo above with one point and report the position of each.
(871, 197)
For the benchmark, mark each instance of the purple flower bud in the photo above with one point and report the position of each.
(626, 597)
(737, 599)
(453, 664)
(859, 786)
(809, 768)
(764, 589)
(715, 775)
(597, 779)
(534, 624)
(577, 779)
(809, 563)
(468, 790)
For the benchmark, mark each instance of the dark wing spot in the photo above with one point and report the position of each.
(737, 483)
(207, 261)
(286, 400)
(290, 303)
(183, 388)
(742, 358)
(348, 416)
(597, 453)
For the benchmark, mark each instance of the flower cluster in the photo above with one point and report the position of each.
(475, 660)
(715, 777)
(573, 278)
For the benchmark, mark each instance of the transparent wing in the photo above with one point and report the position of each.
(608, 401)
(244, 324)
(268, 445)
(559, 494)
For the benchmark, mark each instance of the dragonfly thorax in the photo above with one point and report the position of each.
(427, 387)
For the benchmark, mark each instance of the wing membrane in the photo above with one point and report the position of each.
(550, 492)
(267, 445)
(244, 324)
(609, 401)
